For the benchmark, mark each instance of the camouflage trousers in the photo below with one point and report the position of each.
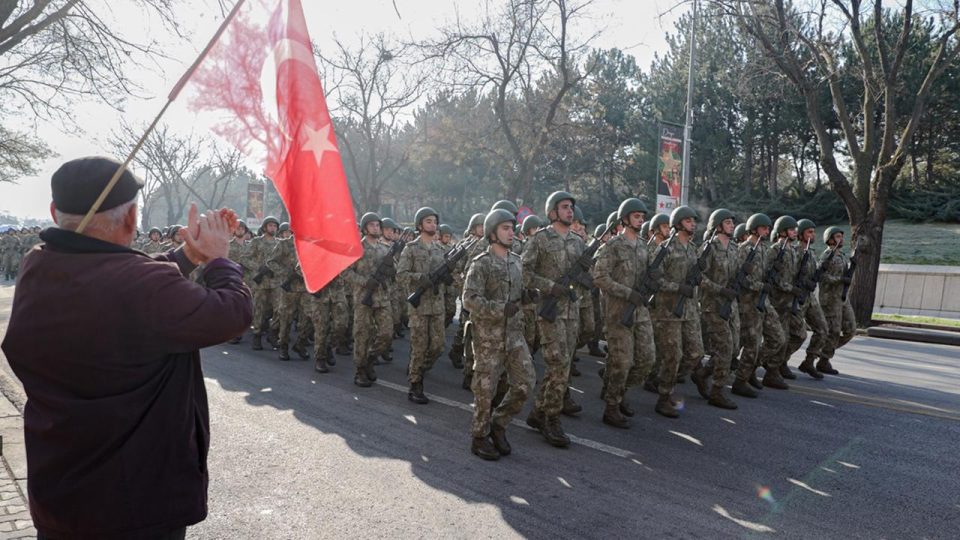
(757, 328)
(587, 322)
(293, 307)
(530, 327)
(557, 341)
(679, 349)
(841, 327)
(817, 323)
(9, 261)
(794, 334)
(632, 353)
(450, 296)
(427, 340)
(491, 361)
(266, 303)
(735, 329)
(719, 341)
(372, 332)
(398, 304)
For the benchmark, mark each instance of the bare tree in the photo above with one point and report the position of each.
(806, 41)
(376, 83)
(525, 55)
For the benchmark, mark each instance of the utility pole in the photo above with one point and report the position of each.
(688, 126)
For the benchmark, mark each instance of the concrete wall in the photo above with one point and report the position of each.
(909, 289)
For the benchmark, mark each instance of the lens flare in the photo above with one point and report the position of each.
(764, 493)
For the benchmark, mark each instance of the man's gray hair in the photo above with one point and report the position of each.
(107, 221)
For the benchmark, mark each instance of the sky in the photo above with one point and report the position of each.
(636, 26)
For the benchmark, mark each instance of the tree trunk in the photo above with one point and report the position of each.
(866, 237)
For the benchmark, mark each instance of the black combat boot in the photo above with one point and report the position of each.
(753, 381)
(700, 377)
(467, 381)
(415, 394)
(499, 436)
(482, 447)
(321, 364)
(718, 399)
(625, 408)
(773, 379)
(368, 369)
(361, 379)
(823, 366)
(257, 344)
(808, 368)
(666, 407)
(331, 358)
(786, 372)
(273, 338)
(594, 348)
(574, 372)
(742, 388)
(456, 356)
(552, 431)
(301, 350)
(570, 407)
(652, 385)
(535, 419)
(284, 352)
(613, 417)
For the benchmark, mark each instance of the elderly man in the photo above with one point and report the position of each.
(105, 340)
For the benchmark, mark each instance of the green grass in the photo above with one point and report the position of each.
(954, 323)
(915, 243)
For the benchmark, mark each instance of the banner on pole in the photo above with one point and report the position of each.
(669, 167)
(255, 201)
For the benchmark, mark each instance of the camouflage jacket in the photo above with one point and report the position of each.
(284, 264)
(719, 268)
(151, 247)
(417, 260)
(261, 249)
(365, 268)
(831, 283)
(679, 259)
(546, 259)
(490, 284)
(786, 270)
(620, 269)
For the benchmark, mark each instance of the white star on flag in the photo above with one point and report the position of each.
(318, 142)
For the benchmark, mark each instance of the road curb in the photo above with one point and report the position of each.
(901, 333)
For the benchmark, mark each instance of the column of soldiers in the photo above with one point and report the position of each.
(14, 245)
(668, 308)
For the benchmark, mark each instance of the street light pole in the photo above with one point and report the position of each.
(688, 126)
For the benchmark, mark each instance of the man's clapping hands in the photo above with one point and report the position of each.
(207, 236)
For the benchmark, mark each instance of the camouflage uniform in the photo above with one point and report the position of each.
(756, 326)
(549, 256)
(679, 342)
(267, 295)
(9, 254)
(620, 269)
(450, 292)
(490, 284)
(782, 299)
(719, 268)
(284, 264)
(529, 309)
(840, 320)
(373, 325)
(151, 247)
(811, 313)
(427, 337)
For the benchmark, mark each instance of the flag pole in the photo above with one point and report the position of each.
(170, 98)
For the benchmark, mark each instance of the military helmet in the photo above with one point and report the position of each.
(657, 221)
(783, 224)
(681, 213)
(598, 233)
(758, 220)
(518, 229)
(530, 222)
(805, 224)
(407, 230)
(476, 219)
(505, 205)
(645, 230)
(270, 219)
(739, 231)
(612, 218)
(242, 223)
(629, 206)
(578, 215)
(424, 213)
(173, 230)
(155, 230)
(554, 199)
(367, 218)
(389, 223)
(495, 218)
(718, 217)
(828, 234)
(284, 227)
(446, 229)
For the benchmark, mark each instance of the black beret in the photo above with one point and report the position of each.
(77, 184)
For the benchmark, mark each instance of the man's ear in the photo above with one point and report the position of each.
(53, 212)
(130, 220)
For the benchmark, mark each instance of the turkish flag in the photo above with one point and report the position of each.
(260, 82)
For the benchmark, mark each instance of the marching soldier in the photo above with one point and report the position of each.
(457, 349)
(620, 270)
(531, 226)
(451, 292)
(659, 232)
(391, 232)
(841, 325)
(153, 244)
(369, 278)
(491, 292)
(784, 267)
(551, 253)
(267, 294)
(294, 299)
(418, 259)
(810, 309)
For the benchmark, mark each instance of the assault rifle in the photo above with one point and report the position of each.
(810, 285)
(736, 284)
(694, 276)
(848, 275)
(649, 285)
(386, 269)
(799, 282)
(573, 275)
(443, 273)
(772, 274)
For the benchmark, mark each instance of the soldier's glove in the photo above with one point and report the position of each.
(265, 271)
(529, 296)
(389, 271)
(654, 274)
(810, 284)
(511, 309)
(728, 293)
(778, 265)
(685, 290)
(286, 286)
(748, 267)
(586, 280)
(258, 279)
(424, 282)
(767, 288)
(447, 279)
(371, 284)
(559, 290)
(846, 280)
(637, 299)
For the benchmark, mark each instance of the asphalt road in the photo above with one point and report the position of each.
(871, 453)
